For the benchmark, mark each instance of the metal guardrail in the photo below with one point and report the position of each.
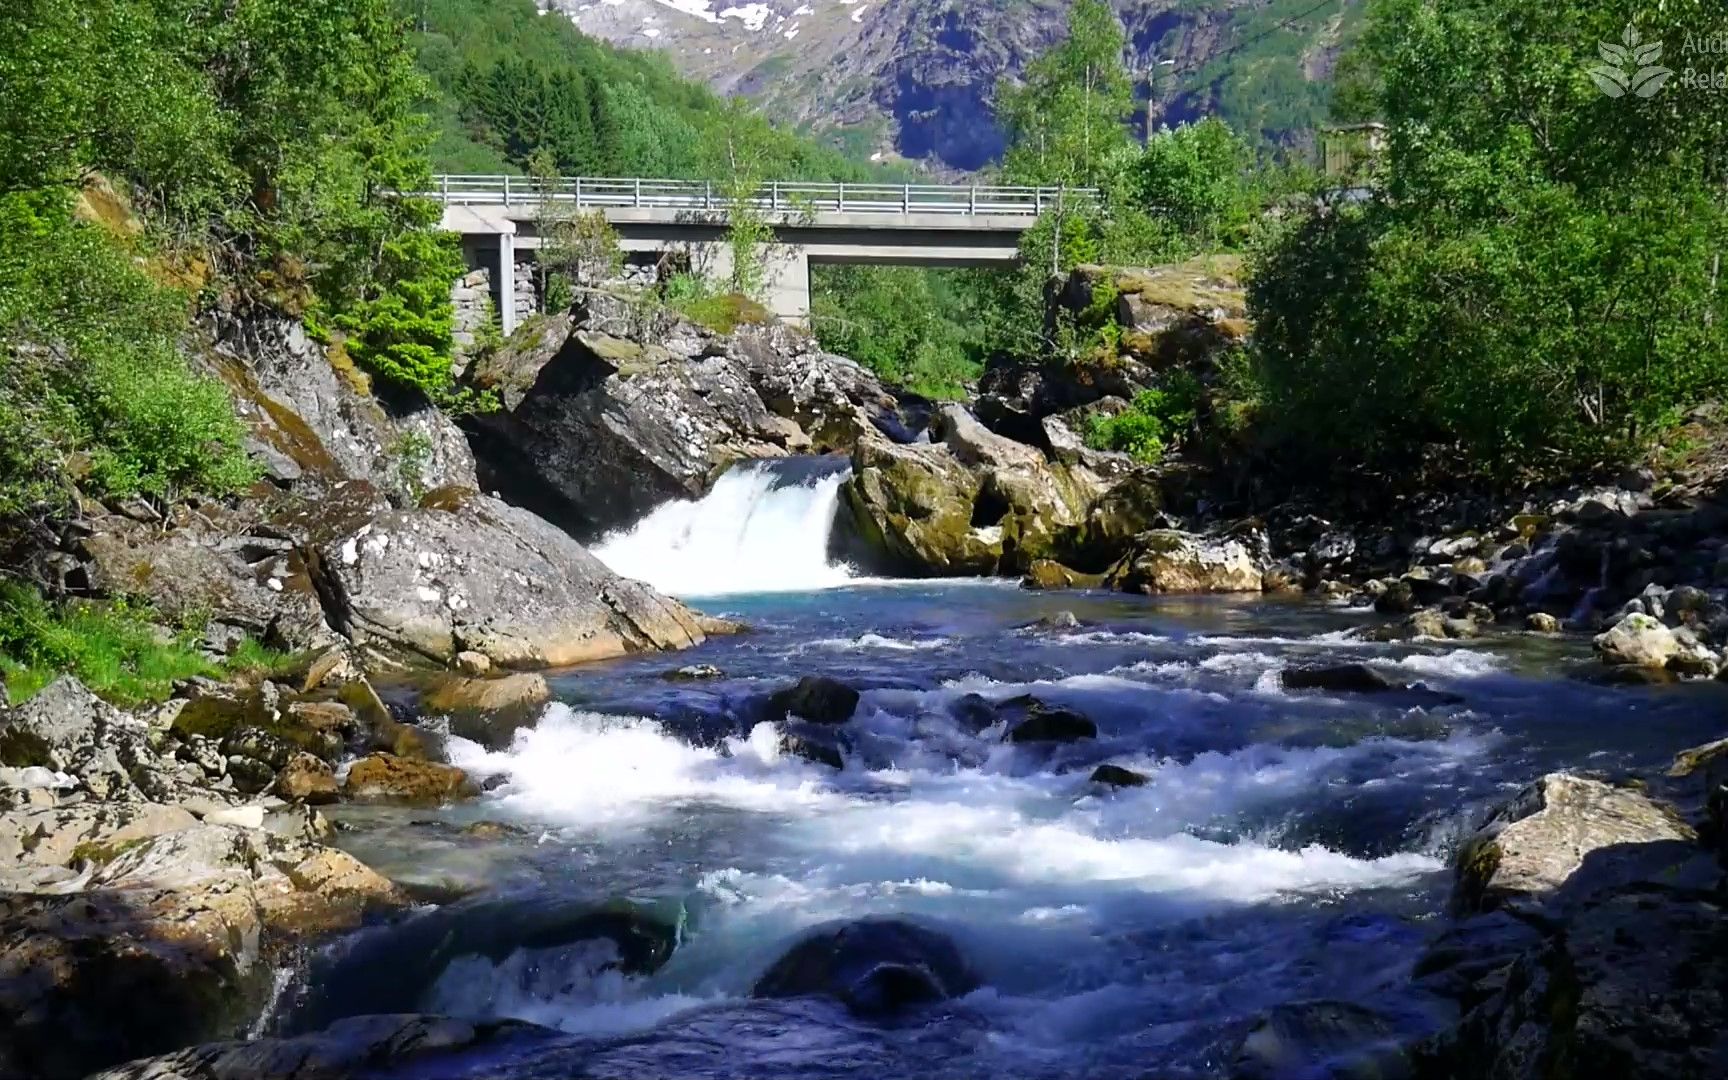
(602, 193)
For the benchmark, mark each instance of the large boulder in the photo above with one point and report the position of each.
(1036, 503)
(314, 417)
(910, 510)
(170, 943)
(1532, 845)
(834, 400)
(874, 966)
(1632, 989)
(67, 728)
(478, 575)
(399, 968)
(214, 565)
(815, 698)
(1643, 641)
(972, 503)
(1170, 561)
(386, 776)
(606, 428)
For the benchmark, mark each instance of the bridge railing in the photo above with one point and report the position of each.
(602, 193)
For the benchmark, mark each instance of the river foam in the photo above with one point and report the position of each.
(763, 528)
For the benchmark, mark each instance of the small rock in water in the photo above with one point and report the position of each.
(973, 712)
(812, 743)
(816, 698)
(1050, 723)
(1319, 1038)
(875, 966)
(473, 663)
(694, 673)
(1061, 620)
(1355, 678)
(1117, 776)
(1540, 622)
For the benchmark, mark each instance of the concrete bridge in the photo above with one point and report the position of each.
(881, 224)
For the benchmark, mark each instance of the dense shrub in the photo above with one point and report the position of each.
(93, 381)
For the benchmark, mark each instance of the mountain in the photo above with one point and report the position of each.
(915, 78)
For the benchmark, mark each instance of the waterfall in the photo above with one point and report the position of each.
(764, 528)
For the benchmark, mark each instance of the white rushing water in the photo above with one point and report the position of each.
(1026, 866)
(764, 528)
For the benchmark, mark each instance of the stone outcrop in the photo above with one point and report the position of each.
(973, 503)
(1535, 843)
(1169, 561)
(606, 418)
(1178, 316)
(1605, 948)
(481, 576)
(911, 512)
(144, 902)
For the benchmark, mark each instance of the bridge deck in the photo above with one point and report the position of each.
(884, 224)
(959, 204)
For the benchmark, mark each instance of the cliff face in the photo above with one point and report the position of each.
(914, 78)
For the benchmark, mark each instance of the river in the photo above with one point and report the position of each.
(1288, 846)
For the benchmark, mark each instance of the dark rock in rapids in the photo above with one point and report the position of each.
(876, 967)
(815, 698)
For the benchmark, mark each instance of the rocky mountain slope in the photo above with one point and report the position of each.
(914, 78)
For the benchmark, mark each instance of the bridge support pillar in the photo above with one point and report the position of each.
(507, 283)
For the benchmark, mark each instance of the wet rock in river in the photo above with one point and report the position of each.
(1320, 1038)
(811, 742)
(395, 969)
(386, 776)
(454, 694)
(1533, 844)
(693, 673)
(1117, 776)
(345, 1049)
(1052, 723)
(1352, 678)
(877, 966)
(816, 698)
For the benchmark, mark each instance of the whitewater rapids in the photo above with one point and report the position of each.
(763, 528)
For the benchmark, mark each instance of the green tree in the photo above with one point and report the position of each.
(1066, 121)
(1195, 177)
(1539, 288)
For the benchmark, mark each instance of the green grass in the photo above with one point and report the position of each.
(113, 648)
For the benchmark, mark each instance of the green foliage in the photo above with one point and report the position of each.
(412, 452)
(1268, 80)
(115, 649)
(1067, 119)
(404, 324)
(1155, 419)
(91, 378)
(692, 296)
(1195, 177)
(920, 330)
(1539, 290)
(516, 79)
